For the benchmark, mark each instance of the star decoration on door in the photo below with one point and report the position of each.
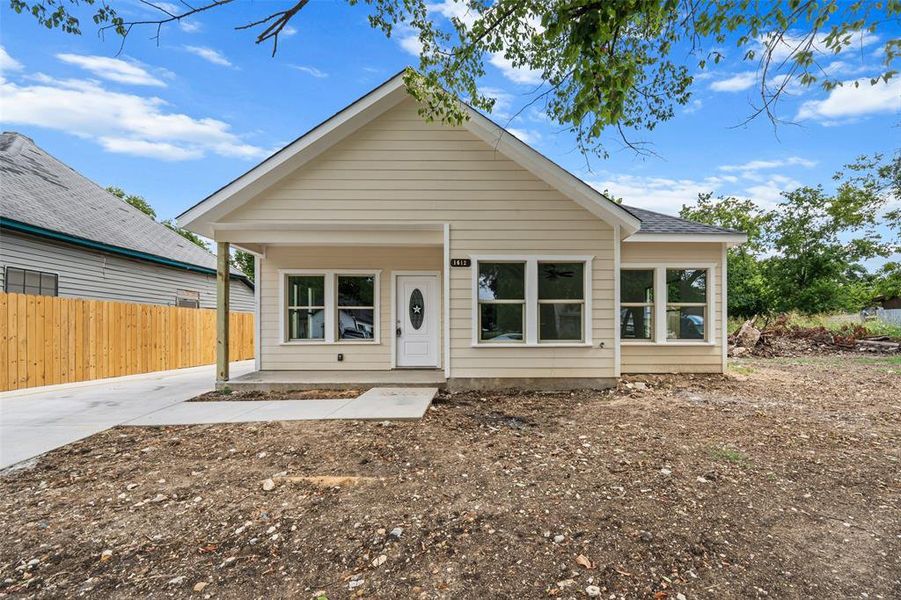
(417, 302)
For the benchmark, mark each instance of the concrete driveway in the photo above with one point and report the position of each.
(37, 420)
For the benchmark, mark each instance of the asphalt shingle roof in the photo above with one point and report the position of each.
(39, 190)
(654, 222)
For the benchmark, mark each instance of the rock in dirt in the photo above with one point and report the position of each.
(748, 335)
(268, 485)
(558, 539)
(396, 532)
(106, 555)
(198, 587)
(593, 591)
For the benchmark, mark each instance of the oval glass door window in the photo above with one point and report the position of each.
(417, 308)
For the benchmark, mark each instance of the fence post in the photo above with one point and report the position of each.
(222, 310)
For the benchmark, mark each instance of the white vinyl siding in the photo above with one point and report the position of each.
(400, 169)
(87, 273)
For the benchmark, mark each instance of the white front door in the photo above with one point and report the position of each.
(417, 329)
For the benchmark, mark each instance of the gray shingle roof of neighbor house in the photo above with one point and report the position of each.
(654, 222)
(48, 196)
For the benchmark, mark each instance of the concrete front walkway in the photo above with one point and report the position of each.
(377, 403)
(37, 420)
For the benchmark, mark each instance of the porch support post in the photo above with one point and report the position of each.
(222, 294)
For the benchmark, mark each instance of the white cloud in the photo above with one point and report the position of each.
(667, 195)
(515, 74)
(210, 55)
(313, 71)
(693, 107)
(158, 150)
(410, 42)
(503, 101)
(120, 122)
(758, 165)
(854, 99)
(529, 136)
(112, 69)
(791, 42)
(736, 83)
(7, 62)
(453, 9)
(288, 31)
(189, 26)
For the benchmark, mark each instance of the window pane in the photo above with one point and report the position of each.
(501, 322)
(635, 322)
(502, 281)
(637, 286)
(48, 284)
(305, 324)
(15, 277)
(560, 322)
(356, 291)
(561, 281)
(686, 285)
(33, 279)
(356, 324)
(306, 290)
(685, 323)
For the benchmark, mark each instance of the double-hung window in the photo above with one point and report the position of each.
(502, 301)
(666, 303)
(330, 306)
(531, 300)
(637, 304)
(561, 302)
(306, 307)
(686, 304)
(356, 307)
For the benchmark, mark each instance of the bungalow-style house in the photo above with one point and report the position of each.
(63, 235)
(421, 252)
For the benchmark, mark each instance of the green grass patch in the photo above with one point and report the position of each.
(741, 369)
(729, 455)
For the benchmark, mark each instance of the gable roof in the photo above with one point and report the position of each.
(41, 195)
(203, 215)
(659, 224)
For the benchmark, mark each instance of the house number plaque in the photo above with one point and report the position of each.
(461, 262)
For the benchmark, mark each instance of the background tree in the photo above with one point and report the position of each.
(240, 259)
(622, 65)
(747, 291)
(244, 262)
(137, 201)
(806, 254)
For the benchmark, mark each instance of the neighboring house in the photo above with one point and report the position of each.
(63, 235)
(387, 242)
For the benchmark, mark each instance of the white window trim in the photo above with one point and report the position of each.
(331, 307)
(661, 302)
(531, 305)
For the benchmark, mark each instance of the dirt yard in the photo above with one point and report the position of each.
(780, 480)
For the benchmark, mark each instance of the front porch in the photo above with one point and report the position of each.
(281, 381)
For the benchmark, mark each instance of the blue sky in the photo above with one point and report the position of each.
(175, 121)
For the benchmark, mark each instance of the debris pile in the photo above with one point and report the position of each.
(782, 338)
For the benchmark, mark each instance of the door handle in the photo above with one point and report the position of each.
(397, 332)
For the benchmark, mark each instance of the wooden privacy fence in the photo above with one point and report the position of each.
(46, 340)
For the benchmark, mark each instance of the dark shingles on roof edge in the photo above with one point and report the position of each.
(654, 222)
(39, 190)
